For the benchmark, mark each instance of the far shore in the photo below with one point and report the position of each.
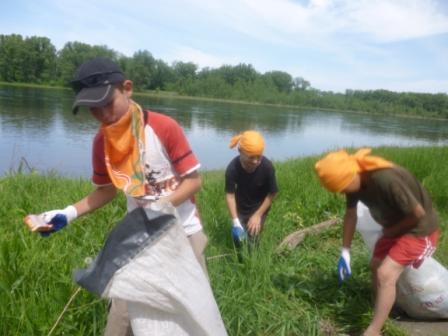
(175, 95)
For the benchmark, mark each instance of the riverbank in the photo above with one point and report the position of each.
(269, 294)
(177, 96)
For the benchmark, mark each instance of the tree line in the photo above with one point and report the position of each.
(35, 60)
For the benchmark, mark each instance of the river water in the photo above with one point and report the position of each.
(37, 129)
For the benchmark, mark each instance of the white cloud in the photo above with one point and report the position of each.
(201, 58)
(335, 44)
(387, 20)
(374, 78)
(381, 20)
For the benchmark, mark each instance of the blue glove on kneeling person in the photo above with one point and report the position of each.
(238, 232)
(344, 271)
(59, 219)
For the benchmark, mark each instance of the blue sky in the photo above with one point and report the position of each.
(398, 45)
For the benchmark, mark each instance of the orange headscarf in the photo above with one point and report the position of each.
(338, 169)
(250, 142)
(124, 147)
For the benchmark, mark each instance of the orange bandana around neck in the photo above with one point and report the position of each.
(250, 142)
(338, 169)
(124, 147)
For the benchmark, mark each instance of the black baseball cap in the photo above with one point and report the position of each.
(94, 82)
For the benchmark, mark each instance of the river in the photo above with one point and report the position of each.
(38, 130)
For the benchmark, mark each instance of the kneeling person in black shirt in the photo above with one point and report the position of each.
(250, 186)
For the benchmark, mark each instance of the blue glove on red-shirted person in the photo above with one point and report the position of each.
(59, 219)
(344, 271)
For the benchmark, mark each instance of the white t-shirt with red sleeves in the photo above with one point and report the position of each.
(168, 158)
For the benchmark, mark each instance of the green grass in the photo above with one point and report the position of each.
(295, 293)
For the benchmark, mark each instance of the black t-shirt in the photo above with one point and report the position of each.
(393, 193)
(250, 189)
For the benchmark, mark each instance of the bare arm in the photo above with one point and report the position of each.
(231, 205)
(96, 199)
(350, 219)
(189, 185)
(254, 224)
(406, 224)
(265, 205)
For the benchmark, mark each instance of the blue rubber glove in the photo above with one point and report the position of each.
(238, 232)
(344, 271)
(59, 219)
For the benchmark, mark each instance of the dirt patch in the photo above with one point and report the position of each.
(423, 328)
(327, 328)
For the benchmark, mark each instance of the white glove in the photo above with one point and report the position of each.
(236, 223)
(238, 232)
(69, 212)
(58, 219)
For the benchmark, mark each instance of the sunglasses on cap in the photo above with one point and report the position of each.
(97, 79)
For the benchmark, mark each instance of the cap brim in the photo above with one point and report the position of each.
(93, 97)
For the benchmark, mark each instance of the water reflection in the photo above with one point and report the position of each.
(37, 124)
(427, 130)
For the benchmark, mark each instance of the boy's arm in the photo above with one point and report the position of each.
(188, 186)
(406, 224)
(96, 199)
(57, 219)
(231, 205)
(265, 205)
(254, 224)
(406, 203)
(350, 218)
(238, 232)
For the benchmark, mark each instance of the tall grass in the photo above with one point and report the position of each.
(294, 293)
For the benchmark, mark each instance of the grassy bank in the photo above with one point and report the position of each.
(268, 294)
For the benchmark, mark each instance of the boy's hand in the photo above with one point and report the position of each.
(58, 219)
(254, 224)
(344, 271)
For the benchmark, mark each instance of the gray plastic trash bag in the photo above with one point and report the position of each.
(423, 292)
(150, 264)
(370, 230)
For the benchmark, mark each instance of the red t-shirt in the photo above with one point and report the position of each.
(168, 157)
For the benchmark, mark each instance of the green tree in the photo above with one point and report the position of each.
(241, 72)
(39, 62)
(300, 83)
(141, 69)
(281, 80)
(185, 70)
(73, 54)
(185, 75)
(35, 59)
(163, 76)
(12, 52)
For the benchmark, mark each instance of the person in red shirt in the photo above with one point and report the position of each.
(142, 153)
(399, 203)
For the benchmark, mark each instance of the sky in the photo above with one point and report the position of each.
(397, 45)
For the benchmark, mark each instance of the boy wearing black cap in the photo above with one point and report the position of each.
(143, 153)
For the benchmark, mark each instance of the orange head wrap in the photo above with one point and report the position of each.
(338, 169)
(250, 142)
